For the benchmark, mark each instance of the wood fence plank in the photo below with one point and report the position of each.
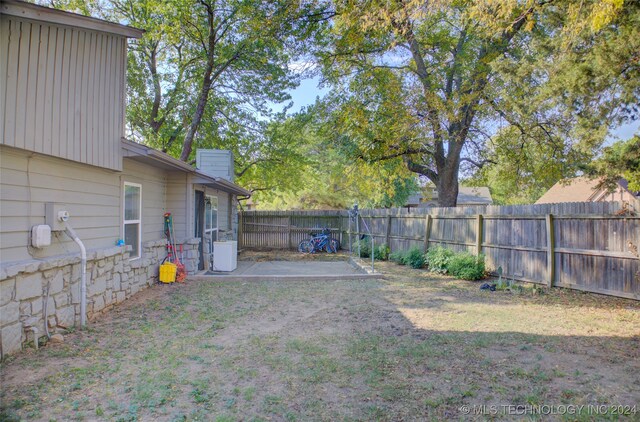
(551, 259)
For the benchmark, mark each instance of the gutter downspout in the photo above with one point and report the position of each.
(83, 277)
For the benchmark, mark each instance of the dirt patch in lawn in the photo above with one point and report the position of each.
(414, 346)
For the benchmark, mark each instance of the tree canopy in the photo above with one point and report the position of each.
(622, 159)
(508, 93)
(451, 86)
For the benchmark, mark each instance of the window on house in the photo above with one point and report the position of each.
(211, 216)
(132, 217)
(210, 224)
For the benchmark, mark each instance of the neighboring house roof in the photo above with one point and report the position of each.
(50, 15)
(578, 189)
(148, 155)
(479, 195)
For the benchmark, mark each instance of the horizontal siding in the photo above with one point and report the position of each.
(62, 91)
(92, 196)
(153, 181)
(177, 203)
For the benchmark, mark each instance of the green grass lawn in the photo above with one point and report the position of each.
(414, 346)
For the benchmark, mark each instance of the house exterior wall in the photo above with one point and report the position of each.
(35, 293)
(154, 197)
(62, 91)
(177, 200)
(28, 181)
(93, 197)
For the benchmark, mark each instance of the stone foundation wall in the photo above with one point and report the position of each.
(190, 255)
(27, 288)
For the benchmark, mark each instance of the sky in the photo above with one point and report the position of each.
(307, 92)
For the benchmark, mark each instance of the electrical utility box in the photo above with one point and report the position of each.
(55, 216)
(40, 236)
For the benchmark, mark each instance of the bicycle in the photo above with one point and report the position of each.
(319, 242)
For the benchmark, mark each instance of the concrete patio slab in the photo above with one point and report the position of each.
(278, 270)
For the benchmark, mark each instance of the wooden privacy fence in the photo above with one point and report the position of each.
(583, 246)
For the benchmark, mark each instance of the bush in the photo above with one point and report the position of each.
(365, 247)
(438, 259)
(466, 266)
(382, 252)
(399, 257)
(415, 258)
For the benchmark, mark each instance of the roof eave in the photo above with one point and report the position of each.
(61, 17)
(221, 184)
(135, 149)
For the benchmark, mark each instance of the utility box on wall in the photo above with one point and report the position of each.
(40, 236)
(55, 216)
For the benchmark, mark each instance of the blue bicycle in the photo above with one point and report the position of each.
(319, 242)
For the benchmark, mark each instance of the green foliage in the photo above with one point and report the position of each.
(206, 74)
(523, 171)
(382, 252)
(399, 257)
(415, 258)
(461, 265)
(412, 257)
(324, 175)
(466, 266)
(621, 159)
(552, 77)
(438, 259)
(509, 285)
(365, 247)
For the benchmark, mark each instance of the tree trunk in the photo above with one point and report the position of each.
(448, 188)
(197, 117)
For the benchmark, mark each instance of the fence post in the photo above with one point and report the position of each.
(387, 235)
(427, 232)
(479, 233)
(551, 257)
(240, 230)
(350, 244)
(289, 232)
(358, 234)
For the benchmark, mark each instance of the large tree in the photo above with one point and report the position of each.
(211, 64)
(319, 173)
(432, 82)
(206, 73)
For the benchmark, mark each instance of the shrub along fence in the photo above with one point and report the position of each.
(584, 246)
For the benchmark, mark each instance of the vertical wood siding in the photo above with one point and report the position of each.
(62, 91)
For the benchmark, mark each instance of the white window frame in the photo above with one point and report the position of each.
(216, 226)
(138, 221)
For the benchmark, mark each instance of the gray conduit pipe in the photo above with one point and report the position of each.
(83, 277)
